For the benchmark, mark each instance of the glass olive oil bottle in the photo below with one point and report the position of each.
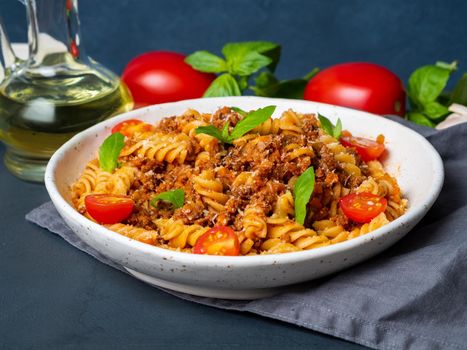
(55, 93)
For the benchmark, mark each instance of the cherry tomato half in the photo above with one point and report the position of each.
(365, 86)
(108, 209)
(130, 126)
(362, 207)
(219, 240)
(367, 149)
(163, 76)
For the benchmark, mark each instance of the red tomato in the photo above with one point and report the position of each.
(108, 209)
(367, 149)
(362, 207)
(130, 126)
(219, 240)
(162, 76)
(365, 86)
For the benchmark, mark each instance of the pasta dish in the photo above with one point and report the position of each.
(238, 182)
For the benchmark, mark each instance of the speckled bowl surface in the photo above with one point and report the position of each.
(415, 163)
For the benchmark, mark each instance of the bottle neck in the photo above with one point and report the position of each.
(54, 31)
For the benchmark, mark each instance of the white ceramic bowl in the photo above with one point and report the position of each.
(415, 163)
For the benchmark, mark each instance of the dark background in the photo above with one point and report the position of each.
(53, 296)
(399, 34)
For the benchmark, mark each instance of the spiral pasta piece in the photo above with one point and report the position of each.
(179, 235)
(87, 181)
(203, 160)
(246, 244)
(136, 233)
(122, 179)
(210, 189)
(270, 126)
(85, 184)
(345, 159)
(284, 206)
(374, 224)
(160, 147)
(207, 142)
(102, 182)
(245, 178)
(117, 183)
(295, 150)
(254, 223)
(290, 123)
(289, 231)
(395, 209)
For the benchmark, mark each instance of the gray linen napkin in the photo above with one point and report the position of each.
(414, 295)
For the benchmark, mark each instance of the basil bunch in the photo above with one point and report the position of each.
(428, 101)
(240, 62)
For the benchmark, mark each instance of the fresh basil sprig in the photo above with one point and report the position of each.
(249, 122)
(110, 150)
(303, 189)
(425, 89)
(175, 197)
(329, 127)
(241, 61)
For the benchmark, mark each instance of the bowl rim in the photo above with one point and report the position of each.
(239, 261)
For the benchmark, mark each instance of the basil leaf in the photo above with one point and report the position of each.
(246, 58)
(239, 111)
(110, 150)
(420, 119)
(225, 131)
(251, 121)
(329, 128)
(337, 129)
(205, 61)
(213, 131)
(326, 124)
(223, 85)
(426, 84)
(232, 50)
(248, 63)
(459, 94)
(266, 79)
(302, 192)
(243, 82)
(266, 85)
(275, 55)
(435, 110)
(175, 197)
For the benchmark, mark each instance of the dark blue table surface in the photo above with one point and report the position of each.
(53, 296)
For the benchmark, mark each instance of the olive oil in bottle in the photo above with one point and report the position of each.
(33, 126)
(54, 93)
